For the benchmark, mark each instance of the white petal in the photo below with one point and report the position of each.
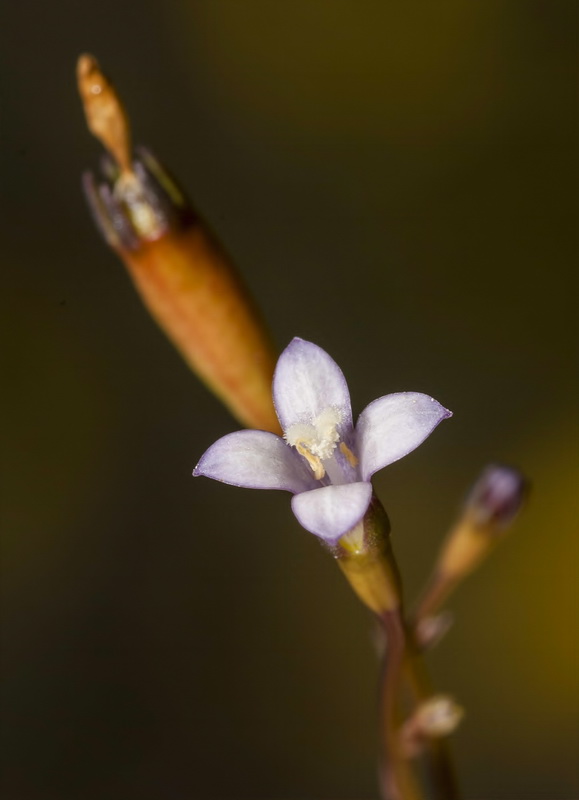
(331, 511)
(306, 382)
(393, 426)
(255, 460)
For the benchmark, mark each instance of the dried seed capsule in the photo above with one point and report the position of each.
(183, 275)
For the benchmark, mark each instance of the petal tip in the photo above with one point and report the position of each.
(393, 426)
(445, 413)
(298, 342)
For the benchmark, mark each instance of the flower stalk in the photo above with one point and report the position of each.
(395, 776)
(366, 559)
(435, 750)
(183, 275)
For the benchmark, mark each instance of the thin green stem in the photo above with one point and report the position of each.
(441, 772)
(440, 768)
(396, 781)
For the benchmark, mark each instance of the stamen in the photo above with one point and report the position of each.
(314, 461)
(316, 440)
(352, 460)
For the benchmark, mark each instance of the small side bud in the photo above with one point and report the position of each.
(365, 556)
(437, 717)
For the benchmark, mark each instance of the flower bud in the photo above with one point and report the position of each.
(497, 496)
(491, 506)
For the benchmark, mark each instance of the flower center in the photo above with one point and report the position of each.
(316, 440)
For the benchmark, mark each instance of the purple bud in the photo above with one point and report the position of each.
(497, 495)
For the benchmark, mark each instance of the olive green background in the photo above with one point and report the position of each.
(396, 181)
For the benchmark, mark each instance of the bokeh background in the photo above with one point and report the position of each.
(396, 182)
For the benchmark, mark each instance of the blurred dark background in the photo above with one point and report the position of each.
(396, 181)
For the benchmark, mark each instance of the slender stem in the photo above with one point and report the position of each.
(439, 587)
(395, 778)
(442, 775)
(434, 595)
(440, 767)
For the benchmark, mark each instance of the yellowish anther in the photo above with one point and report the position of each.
(345, 450)
(106, 116)
(316, 439)
(315, 462)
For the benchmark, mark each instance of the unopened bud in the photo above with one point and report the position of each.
(491, 506)
(497, 496)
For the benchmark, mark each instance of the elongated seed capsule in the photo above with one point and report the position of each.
(183, 275)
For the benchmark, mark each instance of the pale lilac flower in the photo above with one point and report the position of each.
(323, 460)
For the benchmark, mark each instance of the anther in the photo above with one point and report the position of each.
(345, 450)
(315, 462)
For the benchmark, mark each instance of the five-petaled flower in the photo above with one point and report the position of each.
(323, 460)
